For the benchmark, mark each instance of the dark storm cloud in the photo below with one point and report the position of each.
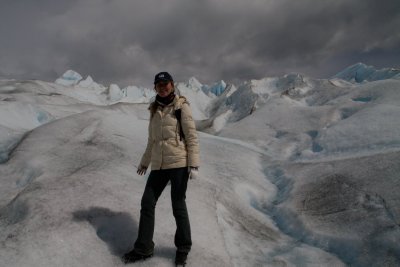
(128, 41)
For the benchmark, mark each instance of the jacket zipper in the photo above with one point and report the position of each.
(162, 137)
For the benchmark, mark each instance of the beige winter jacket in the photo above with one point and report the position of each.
(164, 148)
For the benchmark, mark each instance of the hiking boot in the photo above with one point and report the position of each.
(180, 258)
(133, 256)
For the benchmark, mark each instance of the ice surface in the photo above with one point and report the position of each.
(89, 83)
(94, 93)
(9, 139)
(115, 93)
(197, 98)
(133, 94)
(298, 172)
(360, 72)
(217, 89)
(69, 78)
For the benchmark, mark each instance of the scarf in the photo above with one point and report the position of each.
(165, 101)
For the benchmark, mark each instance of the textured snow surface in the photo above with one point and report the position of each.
(294, 172)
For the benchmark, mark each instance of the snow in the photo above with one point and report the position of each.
(220, 121)
(295, 172)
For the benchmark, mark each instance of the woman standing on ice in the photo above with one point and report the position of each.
(173, 151)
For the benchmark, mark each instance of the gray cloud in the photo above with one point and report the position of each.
(128, 41)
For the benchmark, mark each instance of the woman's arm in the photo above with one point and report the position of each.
(146, 158)
(189, 129)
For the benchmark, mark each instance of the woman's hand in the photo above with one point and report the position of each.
(193, 172)
(141, 170)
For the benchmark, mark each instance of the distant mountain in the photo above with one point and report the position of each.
(360, 72)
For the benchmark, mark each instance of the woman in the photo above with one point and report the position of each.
(173, 151)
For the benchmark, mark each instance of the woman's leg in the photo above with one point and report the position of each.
(155, 185)
(179, 179)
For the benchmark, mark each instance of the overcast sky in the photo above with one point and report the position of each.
(128, 41)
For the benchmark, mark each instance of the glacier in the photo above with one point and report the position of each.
(295, 171)
(360, 72)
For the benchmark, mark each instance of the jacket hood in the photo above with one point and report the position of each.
(179, 101)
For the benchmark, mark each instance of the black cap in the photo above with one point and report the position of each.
(163, 76)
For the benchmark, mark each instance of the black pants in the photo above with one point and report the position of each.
(157, 181)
